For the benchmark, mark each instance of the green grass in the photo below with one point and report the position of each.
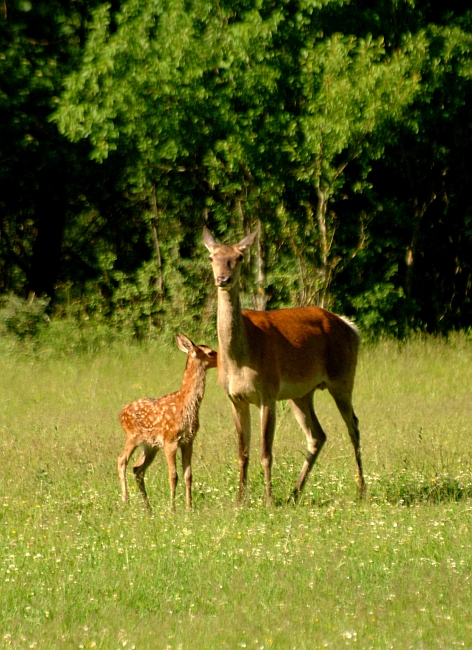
(79, 569)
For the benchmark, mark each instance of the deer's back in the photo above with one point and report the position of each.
(153, 421)
(305, 347)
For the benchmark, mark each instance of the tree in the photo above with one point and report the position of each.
(352, 93)
(201, 99)
(421, 182)
(38, 167)
(342, 130)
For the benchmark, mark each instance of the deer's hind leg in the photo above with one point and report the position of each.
(140, 468)
(305, 415)
(343, 401)
(268, 421)
(123, 459)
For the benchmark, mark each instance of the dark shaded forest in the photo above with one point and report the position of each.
(343, 130)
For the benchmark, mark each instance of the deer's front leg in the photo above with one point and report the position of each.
(242, 421)
(187, 472)
(171, 452)
(268, 420)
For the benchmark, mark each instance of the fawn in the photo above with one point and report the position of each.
(169, 422)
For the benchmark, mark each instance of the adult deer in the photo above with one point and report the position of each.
(265, 356)
(169, 422)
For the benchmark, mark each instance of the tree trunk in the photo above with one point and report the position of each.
(260, 298)
(325, 274)
(157, 248)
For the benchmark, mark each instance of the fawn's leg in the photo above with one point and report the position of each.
(140, 468)
(171, 452)
(123, 459)
(187, 471)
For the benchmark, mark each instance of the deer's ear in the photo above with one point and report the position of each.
(209, 240)
(184, 343)
(247, 241)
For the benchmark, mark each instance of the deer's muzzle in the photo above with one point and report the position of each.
(223, 280)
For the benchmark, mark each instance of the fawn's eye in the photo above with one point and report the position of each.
(211, 258)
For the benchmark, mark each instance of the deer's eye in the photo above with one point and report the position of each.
(211, 258)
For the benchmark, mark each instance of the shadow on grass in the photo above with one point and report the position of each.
(436, 490)
(398, 490)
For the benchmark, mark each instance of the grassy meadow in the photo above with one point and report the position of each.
(78, 569)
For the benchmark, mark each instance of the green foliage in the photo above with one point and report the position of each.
(23, 318)
(202, 91)
(380, 310)
(342, 130)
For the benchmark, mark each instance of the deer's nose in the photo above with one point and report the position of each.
(223, 280)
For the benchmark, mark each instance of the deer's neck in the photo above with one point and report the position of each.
(232, 339)
(192, 391)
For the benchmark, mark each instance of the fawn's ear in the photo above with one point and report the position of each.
(207, 350)
(209, 240)
(184, 343)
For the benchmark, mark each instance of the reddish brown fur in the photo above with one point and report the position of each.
(284, 354)
(324, 339)
(169, 422)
